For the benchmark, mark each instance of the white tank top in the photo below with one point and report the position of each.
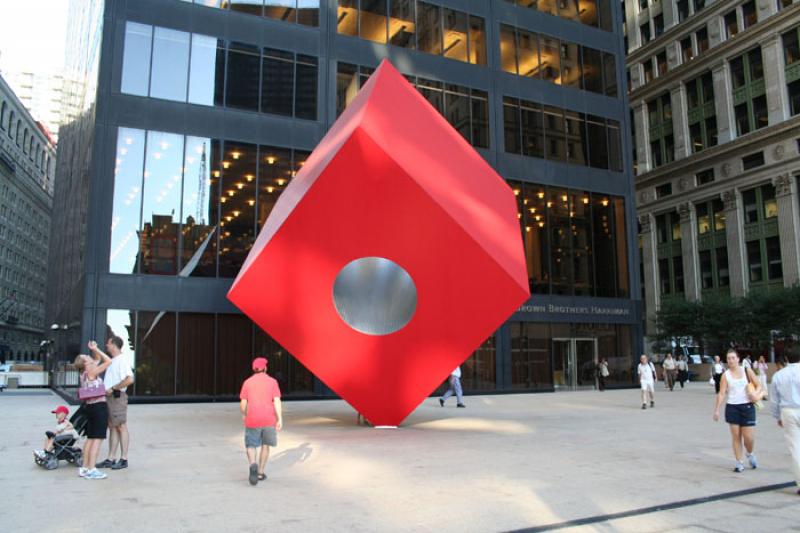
(737, 388)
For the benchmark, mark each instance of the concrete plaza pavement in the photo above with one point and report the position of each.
(505, 462)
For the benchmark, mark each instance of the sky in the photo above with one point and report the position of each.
(32, 35)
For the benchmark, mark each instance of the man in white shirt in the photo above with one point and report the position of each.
(647, 379)
(785, 402)
(116, 380)
(455, 386)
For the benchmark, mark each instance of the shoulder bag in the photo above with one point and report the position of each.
(90, 391)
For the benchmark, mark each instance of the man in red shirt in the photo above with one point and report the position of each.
(261, 410)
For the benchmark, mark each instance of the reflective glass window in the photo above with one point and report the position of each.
(292, 377)
(250, 7)
(346, 85)
(199, 207)
(614, 146)
(532, 205)
(550, 52)
(207, 71)
(587, 10)
(234, 338)
(606, 19)
(754, 263)
(347, 17)
(555, 134)
(532, 129)
(455, 35)
(577, 147)
(457, 109)
(274, 173)
(528, 51)
(127, 200)
(155, 354)
(432, 91)
(508, 49)
(136, 59)
(170, 64)
(560, 241)
(238, 212)
(278, 80)
(305, 102)
(598, 152)
(477, 41)
(279, 9)
(241, 90)
(604, 252)
(308, 12)
(511, 125)
(582, 267)
(195, 358)
(161, 204)
(592, 69)
(372, 20)
(480, 118)
(402, 23)
(429, 19)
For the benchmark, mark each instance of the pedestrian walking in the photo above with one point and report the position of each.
(670, 370)
(647, 380)
(740, 411)
(260, 404)
(716, 372)
(785, 396)
(454, 385)
(602, 373)
(747, 362)
(683, 370)
(116, 380)
(92, 392)
(761, 369)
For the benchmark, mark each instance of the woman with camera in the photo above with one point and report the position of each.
(92, 392)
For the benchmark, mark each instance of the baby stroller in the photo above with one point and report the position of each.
(64, 446)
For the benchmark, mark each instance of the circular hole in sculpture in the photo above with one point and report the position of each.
(375, 296)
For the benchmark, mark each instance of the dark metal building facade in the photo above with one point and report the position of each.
(195, 116)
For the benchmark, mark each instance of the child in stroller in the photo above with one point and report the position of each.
(60, 444)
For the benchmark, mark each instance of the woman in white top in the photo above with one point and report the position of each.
(761, 369)
(740, 413)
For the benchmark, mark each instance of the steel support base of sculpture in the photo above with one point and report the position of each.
(390, 257)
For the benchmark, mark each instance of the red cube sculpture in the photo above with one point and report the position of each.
(392, 255)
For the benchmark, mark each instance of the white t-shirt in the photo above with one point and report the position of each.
(118, 370)
(456, 372)
(646, 373)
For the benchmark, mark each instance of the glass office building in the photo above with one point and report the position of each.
(195, 116)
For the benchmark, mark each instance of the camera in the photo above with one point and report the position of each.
(117, 394)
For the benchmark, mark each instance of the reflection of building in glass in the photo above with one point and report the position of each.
(210, 127)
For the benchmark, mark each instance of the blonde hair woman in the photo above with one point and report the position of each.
(96, 410)
(740, 411)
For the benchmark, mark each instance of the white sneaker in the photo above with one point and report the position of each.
(82, 471)
(95, 474)
(39, 453)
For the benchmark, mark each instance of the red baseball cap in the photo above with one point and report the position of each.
(61, 409)
(259, 363)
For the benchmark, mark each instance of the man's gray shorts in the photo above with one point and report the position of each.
(257, 437)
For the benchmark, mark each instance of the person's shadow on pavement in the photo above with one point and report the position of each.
(292, 456)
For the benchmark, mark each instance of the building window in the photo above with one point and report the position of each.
(774, 265)
(561, 135)
(731, 24)
(754, 261)
(203, 70)
(658, 25)
(424, 26)
(701, 36)
(687, 52)
(566, 233)
(644, 31)
(749, 94)
(538, 56)
(791, 56)
(664, 190)
(753, 161)
(662, 144)
(466, 109)
(682, 8)
(661, 63)
(701, 112)
(304, 12)
(590, 12)
(749, 16)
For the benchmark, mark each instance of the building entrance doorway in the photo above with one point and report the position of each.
(574, 363)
